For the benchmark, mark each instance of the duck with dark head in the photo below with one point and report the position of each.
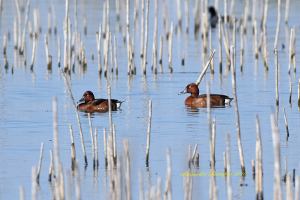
(89, 104)
(200, 101)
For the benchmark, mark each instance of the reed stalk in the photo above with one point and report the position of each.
(220, 47)
(187, 15)
(73, 150)
(127, 170)
(105, 148)
(253, 168)
(286, 125)
(48, 56)
(198, 81)
(289, 188)
(34, 44)
(212, 66)
(21, 188)
(276, 77)
(258, 163)
(225, 162)
(78, 119)
(40, 163)
(155, 32)
(278, 24)
(297, 187)
(242, 50)
(179, 14)
(66, 38)
(51, 166)
(292, 51)
(228, 168)
(92, 139)
(19, 36)
(58, 51)
(287, 7)
(148, 132)
(34, 184)
(170, 49)
(15, 29)
(161, 54)
(115, 56)
(237, 114)
(255, 40)
(277, 165)
(96, 164)
(142, 40)
(168, 184)
(98, 40)
(146, 37)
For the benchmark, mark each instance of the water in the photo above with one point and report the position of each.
(26, 108)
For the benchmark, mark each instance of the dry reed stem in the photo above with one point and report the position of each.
(276, 77)
(289, 188)
(161, 54)
(297, 187)
(22, 45)
(220, 47)
(77, 117)
(146, 37)
(73, 151)
(258, 162)
(98, 41)
(299, 93)
(286, 125)
(142, 40)
(287, 7)
(66, 38)
(170, 48)
(168, 184)
(155, 33)
(277, 165)
(105, 148)
(115, 56)
(21, 193)
(198, 81)
(225, 162)
(34, 184)
(148, 132)
(237, 114)
(40, 163)
(92, 138)
(187, 15)
(278, 24)
(96, 163)
(51, 166)
(127, 170)
(228, 168)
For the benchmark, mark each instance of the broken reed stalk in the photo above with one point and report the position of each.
(255, 40)
(287, 7)
(276, 76)
(34, 44)
(66, 38)
(212, 66)
(22, 45)
(21, 188)
(170, 47)
(128, 40)
(220, 47)
(225, 162)
(228, 168)
(105, 148)
(148, 132)
(51, 166)
(73, 150)
(286, 125)
(98, 40)
(277, 165)
(290, 90)
(225, 41)
(48, 57)
(127, 170)
(142, 40)
(278, 24)
(58, 51)
(198, 81)
(4, 43)
(289, 187)
(15, 33)
(187, 15)
(161, 53)
(19, 36)
(40, 163)
(34, 184)
(242, 51)
(115, 56)
(106, 52)
(213, 144)
(168, 184)
(292, 51)
(258, 163)
(78, 118)
(146, 37)
(179, 15)
(96, 164)
(155, 32)
(92, 139)
(297, 187)
(237, 114)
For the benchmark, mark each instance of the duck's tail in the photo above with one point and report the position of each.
(228, 100)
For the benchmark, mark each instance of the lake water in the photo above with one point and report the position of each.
(26, 106)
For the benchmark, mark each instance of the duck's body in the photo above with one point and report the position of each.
(89, 104)
(200, 101)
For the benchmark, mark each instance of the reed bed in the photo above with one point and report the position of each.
(163, 35)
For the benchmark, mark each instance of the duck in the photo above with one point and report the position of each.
(213, 16)
(89, 104)
(200, 101)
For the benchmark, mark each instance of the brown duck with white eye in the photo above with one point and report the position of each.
(89, 104)
(200, 101)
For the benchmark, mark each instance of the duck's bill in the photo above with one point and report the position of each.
(182, 92)
(81, 100)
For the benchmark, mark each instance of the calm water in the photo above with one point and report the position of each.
(26, 108)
